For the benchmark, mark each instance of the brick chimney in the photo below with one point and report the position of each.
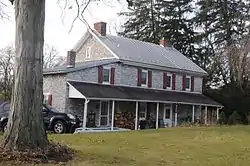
(100, 27)
(165, 43)
(71, 58)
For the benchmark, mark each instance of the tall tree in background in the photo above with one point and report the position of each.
(171, 20)
(221, 24)
(176, 24)
(142, 22)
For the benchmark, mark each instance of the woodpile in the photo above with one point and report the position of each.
(124, 119)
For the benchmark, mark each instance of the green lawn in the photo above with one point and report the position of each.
(211, 146)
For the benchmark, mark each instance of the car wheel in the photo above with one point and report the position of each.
(59, 127)
(4, 127)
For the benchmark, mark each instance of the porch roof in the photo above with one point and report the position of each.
(123, 93)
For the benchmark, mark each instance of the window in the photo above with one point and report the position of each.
(106, 75)
(142, 111)
(188, 83)
(169, 81)
(47, 99)
(88, 52)
(144, 77)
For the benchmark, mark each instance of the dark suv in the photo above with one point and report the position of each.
(53, 120)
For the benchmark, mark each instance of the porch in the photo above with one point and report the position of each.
(144, 109)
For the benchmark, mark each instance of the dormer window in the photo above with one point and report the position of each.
(106, 75)
(144, 78)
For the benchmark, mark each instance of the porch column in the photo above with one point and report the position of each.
(171, 116)
(217, 114)
(136, 115)
(176, 115)
(193, 113)
(157, 116)
(205, 115)
(85, 113)
(113, 115)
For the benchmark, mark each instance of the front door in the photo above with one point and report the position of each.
(104, 113)
(167, 115)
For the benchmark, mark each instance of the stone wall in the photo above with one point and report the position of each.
(56, 85)
(127, 76)
(95, 49)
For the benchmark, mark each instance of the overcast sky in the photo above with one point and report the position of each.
(58, 23)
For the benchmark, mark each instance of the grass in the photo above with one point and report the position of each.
(211, 146)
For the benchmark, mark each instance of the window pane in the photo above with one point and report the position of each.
(187, 83)
(144, 76)
(104, 121)
(106, 75)
(142, 115)
(169, 78)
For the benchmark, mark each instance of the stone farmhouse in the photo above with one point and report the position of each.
(120, 82)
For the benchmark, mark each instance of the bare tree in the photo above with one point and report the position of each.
(234, 63)
(51, 57)
(6, 71)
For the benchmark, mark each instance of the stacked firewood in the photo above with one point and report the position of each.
(125, 119)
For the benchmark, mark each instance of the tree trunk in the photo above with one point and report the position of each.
(25, 129)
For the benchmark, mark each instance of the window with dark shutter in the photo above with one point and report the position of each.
(192, 83)
(100, 74)
(112, 79)
(184, 83)
(164, 80)
(139, 74)
(173, 81)
(150, 79)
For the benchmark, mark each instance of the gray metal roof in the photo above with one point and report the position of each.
(149, 53)
(78, 66)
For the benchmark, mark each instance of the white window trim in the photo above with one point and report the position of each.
(107, 68)
(100, 113)
(188, 89)
(88, 52)
(171, 81)
(145, 111)
(146, 71)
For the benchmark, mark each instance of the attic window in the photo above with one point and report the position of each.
(88, 52)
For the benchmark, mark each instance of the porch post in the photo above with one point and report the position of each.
(217, 114)
(193, 113)
(136, 115)
(171, 116)
(205, 115)
(113, 115)
(176, 115)
(157, 116)
(85, 114)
